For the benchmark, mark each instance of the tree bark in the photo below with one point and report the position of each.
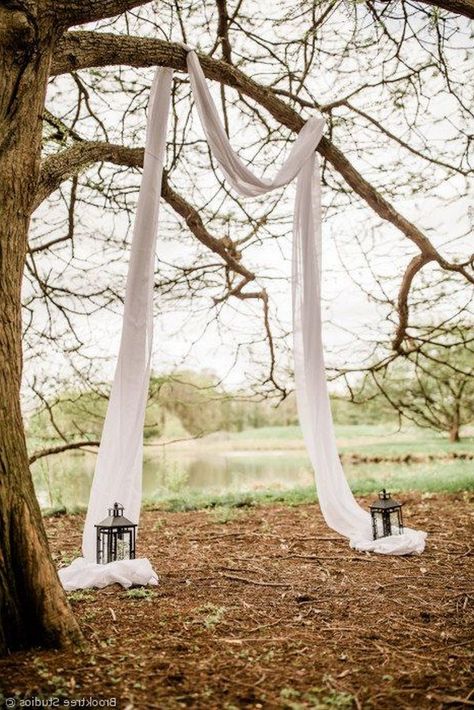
(457, 7)
(76, 12)
(454, 433)
(454, 436)
(33, 606)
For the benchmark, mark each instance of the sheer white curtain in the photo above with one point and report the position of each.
(119, 465)
(118, 471)
(339, 507)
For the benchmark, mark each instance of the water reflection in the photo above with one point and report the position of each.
(65, 479)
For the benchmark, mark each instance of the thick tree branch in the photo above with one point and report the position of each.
(459, 7)
(60, 449)
(79, 50)
(63, 165)
(77, 12)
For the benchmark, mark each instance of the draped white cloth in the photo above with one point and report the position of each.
(82, 574)
(338, 506)
(118, 471)
(119, 465)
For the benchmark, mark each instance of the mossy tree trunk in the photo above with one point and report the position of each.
(33, 607)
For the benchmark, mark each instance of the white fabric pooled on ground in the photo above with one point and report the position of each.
(82, 574)
(412, 542)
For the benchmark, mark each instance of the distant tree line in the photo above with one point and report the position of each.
(189, 403)
(185, 403)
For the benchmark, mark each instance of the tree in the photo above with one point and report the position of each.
(33, 605)
(194, 397)
(35, 44)
(415, 65)
(433, 386)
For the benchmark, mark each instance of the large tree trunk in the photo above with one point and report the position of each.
(33, 607)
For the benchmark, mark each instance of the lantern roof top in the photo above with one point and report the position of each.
(116, 519)
(385, 502)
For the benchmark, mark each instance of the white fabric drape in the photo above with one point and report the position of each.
(338, 506)
(118, 471)
(119, 465)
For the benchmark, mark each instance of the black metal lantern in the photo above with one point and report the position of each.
(386, 516)
(115, 537)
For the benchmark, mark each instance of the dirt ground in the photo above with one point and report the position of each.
(267, 608)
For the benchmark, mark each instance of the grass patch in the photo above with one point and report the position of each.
(63, 510)
(140, 593)
(393, 447)
(377, 440)
(211, 615)
(451, 478)
(192, 500)
(315, 699)
(442, 477)
(224, 514)
(80, 595)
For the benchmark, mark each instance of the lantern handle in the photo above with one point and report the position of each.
(114, 511)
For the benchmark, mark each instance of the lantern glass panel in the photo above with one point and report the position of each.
(386, 516)
(395, 523)
(115, 545)
(378, 523)
(124, 544)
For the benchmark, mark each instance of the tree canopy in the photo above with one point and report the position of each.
(390, 80)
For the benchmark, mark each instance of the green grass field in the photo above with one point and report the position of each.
(383, 439)
(268, 465)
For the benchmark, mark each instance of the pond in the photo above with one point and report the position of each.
(64, 480)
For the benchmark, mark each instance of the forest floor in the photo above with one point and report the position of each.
(265, 607)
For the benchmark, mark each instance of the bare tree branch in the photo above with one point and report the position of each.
(77, 12)
(415, 265)
(223, 30)
(60, 449)
(460, 7)
(86, 49)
